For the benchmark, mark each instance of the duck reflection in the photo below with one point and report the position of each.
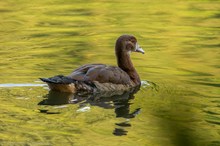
(120, 101)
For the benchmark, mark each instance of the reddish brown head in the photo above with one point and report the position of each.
(127, 43)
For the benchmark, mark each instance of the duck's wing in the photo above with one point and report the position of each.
(101, 73)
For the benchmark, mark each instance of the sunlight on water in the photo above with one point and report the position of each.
(145, 83)
(178, 103)
(22, 85)
(84, 109)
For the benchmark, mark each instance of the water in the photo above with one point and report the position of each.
(178, 103)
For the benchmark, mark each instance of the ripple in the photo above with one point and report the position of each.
(21, 85)
(84, 109)
(145, 83)
(205, 83)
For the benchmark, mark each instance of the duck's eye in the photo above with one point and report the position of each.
(133, 42)
(130, 45)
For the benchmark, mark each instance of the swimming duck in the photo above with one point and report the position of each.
(100, 77)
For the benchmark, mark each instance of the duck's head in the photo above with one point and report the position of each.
(127, 43)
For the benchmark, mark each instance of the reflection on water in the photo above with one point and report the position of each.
(118, 101)
(22, 85)
(181, 106)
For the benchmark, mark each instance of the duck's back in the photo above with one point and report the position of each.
(101, 73)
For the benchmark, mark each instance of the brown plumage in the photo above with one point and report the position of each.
(101, 77)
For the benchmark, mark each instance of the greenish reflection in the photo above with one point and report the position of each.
(46, 38)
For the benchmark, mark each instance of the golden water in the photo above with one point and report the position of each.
(181, 106)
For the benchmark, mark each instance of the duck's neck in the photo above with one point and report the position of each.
(124, 62)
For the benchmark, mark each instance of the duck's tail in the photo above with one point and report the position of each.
(60, 79)
(66, 84)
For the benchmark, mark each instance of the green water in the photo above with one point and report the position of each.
(180, 104)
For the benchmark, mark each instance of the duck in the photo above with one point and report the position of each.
(93, 78)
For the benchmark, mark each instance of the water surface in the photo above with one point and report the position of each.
(178, 103)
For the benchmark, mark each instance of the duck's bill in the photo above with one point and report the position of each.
(139, 49)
